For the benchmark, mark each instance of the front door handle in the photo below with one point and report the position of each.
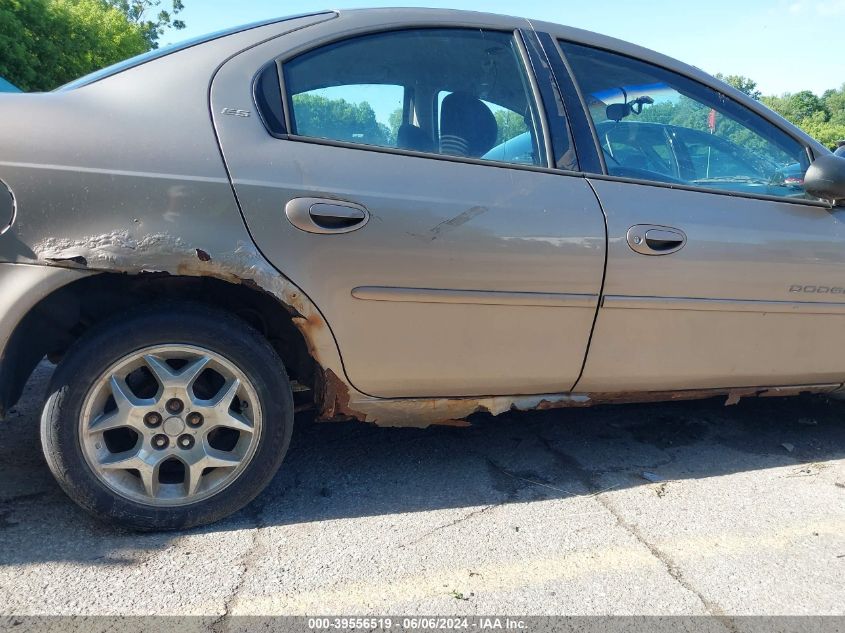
(323, 215)
(652, 239)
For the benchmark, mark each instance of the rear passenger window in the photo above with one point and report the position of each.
(454, 92)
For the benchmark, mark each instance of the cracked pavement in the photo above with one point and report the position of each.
(530, 514)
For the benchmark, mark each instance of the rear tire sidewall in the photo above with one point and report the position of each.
(183, 324)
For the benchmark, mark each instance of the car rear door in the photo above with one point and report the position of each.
(441, 271)
(718, 275)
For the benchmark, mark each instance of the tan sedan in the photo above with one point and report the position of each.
(403, 217)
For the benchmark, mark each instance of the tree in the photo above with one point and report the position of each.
(741, 83)
(834, 101)
(47, 43)
(823, 117)
(338, 119)
(138, 12)
(395, 121)
(823, 130)
(510, 124)
(683, 112)
(798, 106)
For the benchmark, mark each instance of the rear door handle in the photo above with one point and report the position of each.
(324, 216)
(652, 239)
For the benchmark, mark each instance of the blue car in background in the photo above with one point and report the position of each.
(5, 86)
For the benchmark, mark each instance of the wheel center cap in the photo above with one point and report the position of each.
(173, 426)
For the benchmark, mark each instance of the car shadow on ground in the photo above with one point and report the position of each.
(347, 470)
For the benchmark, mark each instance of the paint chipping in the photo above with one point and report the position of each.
(421, 412)
(459, 220)
(119, 251)
(333, 396)
(78, 260)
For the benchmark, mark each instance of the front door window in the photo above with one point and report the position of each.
(653, 124)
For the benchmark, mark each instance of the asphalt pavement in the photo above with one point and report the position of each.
(660, 509)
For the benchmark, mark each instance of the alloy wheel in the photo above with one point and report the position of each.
(170, 425)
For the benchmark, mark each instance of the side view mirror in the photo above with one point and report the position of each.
(825, 178)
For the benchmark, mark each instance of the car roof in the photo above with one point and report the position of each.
(405, 16)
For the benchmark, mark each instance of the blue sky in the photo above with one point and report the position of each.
(785, 45)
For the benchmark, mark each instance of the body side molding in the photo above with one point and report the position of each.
(611, 302)
(476, 297)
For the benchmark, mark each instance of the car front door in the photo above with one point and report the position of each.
(718, 274)
(445, 262)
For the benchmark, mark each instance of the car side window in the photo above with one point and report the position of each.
(640, 147)
(454, 92)
(653, 124)
(514, 143)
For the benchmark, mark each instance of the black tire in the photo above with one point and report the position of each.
(105, 344)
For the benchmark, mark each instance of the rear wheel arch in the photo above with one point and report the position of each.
(64, 315)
